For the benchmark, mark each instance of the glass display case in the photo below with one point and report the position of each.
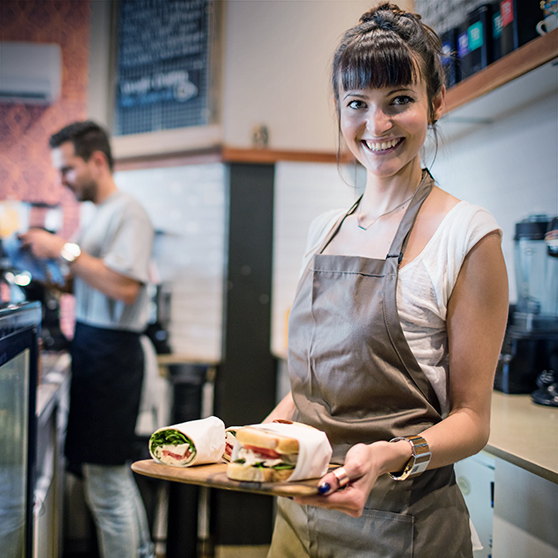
(19, 329)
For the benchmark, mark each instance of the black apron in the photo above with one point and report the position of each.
(353, 375)
(105, 392)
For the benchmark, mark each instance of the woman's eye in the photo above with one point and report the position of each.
(402, 100)
(356, 104)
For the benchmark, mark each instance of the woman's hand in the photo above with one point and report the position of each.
(363, 465)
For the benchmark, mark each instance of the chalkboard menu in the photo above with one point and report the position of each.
(163, 65)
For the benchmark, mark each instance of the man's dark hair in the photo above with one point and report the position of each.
(87, 137)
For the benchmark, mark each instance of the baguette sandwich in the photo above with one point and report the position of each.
(263, 456)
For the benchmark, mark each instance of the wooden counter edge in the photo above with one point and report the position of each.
(523, 463)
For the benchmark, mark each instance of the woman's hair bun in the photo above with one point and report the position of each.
(368, 16)
(383, 14)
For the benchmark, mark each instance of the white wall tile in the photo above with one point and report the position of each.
(187, 204)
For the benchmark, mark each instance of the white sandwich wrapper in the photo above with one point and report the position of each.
(230, 437)
(208, 436)
(314, 452)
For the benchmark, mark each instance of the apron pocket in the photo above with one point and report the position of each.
(376, 534)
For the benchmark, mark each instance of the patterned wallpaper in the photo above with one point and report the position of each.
(25, 168)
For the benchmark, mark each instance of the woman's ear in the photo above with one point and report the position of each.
(438, 105)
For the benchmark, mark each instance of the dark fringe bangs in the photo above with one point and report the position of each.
(375, 62)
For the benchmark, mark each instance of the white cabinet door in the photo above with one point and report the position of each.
(475, 477)
(525, 514)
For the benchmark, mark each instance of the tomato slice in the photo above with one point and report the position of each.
(264, 452)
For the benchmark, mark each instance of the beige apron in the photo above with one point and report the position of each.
(354, 376)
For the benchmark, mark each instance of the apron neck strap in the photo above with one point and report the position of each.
(399, 243)
(337, 226)
(401, 238)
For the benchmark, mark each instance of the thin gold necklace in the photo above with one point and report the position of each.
(389, 212)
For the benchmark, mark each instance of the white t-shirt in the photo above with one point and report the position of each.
(426, 283)
(120, 233)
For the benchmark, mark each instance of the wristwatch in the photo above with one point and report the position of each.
(70, 252)
(419, 460)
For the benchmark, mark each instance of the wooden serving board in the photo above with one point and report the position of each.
(215, 476)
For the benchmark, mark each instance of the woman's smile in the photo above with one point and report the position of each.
(382, 146)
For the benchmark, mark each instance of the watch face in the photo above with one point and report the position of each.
(70, 251)
(419, 460)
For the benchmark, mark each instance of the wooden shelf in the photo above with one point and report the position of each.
(186, 157)
(270, 156)
(530, 56)
(228, 155)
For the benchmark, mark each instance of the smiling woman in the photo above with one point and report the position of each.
(398, 320)
(388, 86)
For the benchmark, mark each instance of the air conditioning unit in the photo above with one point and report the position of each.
(30, 73)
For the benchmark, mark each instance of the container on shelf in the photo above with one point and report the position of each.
(463, 51)
(519, 23)
(479, 33)
(449, 58)
(496, 18)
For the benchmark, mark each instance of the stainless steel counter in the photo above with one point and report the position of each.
(54, 371)
(52, 409)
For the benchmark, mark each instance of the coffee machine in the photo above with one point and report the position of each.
(26, 278)
(529, 359)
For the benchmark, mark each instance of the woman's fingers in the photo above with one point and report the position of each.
(334, 480)
(346, 488)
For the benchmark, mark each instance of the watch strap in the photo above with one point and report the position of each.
(419, 461)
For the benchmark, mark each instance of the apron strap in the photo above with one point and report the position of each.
(391, 315)
(401, 238)
(337, 226)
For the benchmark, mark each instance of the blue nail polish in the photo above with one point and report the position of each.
(324, 488)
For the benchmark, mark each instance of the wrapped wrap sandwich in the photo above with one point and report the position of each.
(276, 452)
(189, 443)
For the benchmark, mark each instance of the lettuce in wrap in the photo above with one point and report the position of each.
(189, 443)
(172, 446)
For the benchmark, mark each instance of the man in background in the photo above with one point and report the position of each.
(108, 269)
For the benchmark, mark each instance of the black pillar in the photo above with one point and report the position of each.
(245, 388)
(182, 522)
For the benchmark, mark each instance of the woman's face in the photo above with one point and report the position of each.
(385, 128)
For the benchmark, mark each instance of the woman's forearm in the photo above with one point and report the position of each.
(462, 434)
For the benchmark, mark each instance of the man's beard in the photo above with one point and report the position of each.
(87, 192)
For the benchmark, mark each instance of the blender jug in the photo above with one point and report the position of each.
(530, 349)
(551, 239)
(536, 270)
